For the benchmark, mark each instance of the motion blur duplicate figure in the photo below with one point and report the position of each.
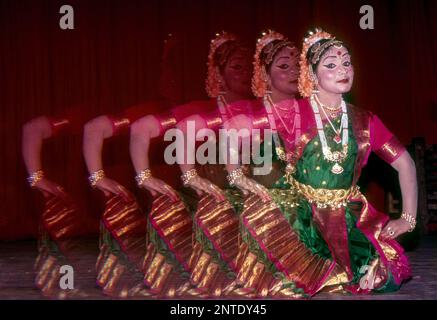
(63, 221)
(123, 224)
(228, 84)
(130, 264)
(269, 202)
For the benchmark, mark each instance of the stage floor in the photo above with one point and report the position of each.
(17, 258)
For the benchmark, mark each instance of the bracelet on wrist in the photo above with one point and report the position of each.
(35, 177)
(410, 219)
(143, 176)
(96, 177)
(234, 175)
(188, 175)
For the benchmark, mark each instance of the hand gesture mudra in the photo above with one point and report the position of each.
(156, 186)
(111, 187)
(395, 228)
(49, 188)
(247, 185)
(202, 185)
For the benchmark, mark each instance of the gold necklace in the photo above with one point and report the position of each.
(287, 109)
(332, 111)
(336, 156)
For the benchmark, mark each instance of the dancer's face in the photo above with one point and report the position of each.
(284, 71)
(335, 73)
(237, 73)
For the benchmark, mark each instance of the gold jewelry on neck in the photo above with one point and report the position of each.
(332, 111)
(333, 156)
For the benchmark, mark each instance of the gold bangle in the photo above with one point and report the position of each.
(410, 219)
(143, 176)
(35, 177)
(95, 177)
(234, 175)
(188, 175)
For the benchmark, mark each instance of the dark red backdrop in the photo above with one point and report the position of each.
(111, 61)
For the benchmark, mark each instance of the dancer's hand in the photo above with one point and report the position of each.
(111, 187)
(395, 228)
(48, 187)
(247, 185)
(201, 185)
(155, 186)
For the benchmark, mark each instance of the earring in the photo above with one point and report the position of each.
(219, 78)
(314, 81)
(221, 89)
(268, 91)
(315, 89)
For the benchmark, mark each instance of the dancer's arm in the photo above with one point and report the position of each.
(406, 169)
(236, 175)
(389, 148)
(142, 131)
(95, 132)
(34, 134)
(190, 177)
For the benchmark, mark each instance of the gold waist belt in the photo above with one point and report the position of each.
(324, 198)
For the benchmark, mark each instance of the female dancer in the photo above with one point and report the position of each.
(127, 259)
(338, 241)
(123, 225)
(228, 78)
(62, 221)
(275, 82)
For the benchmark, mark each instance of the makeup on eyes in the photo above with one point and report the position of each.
(332, 65)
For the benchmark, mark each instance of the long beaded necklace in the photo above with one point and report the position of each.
(333, 112)
(269, 105)
(288, 110)
(275, 108)
(337, 137)
(337, 156)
